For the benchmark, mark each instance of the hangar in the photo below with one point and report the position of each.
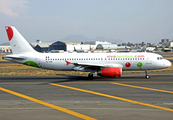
(69, 46)
(107, 46)
(42, 47)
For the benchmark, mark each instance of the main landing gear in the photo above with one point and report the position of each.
(146, 74)
(90, 76)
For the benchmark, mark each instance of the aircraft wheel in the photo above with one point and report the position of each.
(90, 76)
(147, 76)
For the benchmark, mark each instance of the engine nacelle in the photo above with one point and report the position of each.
(110, 72)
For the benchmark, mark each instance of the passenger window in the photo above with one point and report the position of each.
(157, 58)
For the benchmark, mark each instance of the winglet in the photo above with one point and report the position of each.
(67, 62)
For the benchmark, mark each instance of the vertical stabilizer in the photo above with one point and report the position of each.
(17, 41)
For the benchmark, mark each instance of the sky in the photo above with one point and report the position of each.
(132, 21)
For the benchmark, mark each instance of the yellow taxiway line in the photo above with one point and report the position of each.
(114, 97)
(48, 104)
(142, 87)
(147, 82)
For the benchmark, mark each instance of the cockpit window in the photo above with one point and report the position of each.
(160, 58)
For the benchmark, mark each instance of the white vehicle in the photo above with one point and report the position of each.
(105, 64)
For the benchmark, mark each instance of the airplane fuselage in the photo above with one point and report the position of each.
(130, 61)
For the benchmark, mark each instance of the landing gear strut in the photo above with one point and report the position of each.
(90, 76)
(146, 74)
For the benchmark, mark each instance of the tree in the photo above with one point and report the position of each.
(167, 46)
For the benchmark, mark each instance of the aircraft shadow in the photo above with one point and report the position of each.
(71, 78)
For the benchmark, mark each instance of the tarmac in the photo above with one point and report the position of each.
(130, 97)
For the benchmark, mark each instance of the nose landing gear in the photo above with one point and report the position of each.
(146, 74)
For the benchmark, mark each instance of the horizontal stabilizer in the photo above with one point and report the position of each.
(17, 57)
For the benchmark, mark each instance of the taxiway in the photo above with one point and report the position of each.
(74, 97)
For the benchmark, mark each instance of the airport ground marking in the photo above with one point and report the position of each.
(114, 97)
(145, 82)
(142, 87)
(48, 104)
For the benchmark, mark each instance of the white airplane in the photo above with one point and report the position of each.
(105, 64)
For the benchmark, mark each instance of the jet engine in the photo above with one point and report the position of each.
(110, 72)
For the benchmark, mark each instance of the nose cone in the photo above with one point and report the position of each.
(168, 63)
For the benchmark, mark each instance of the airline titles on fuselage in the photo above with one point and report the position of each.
(108, 57)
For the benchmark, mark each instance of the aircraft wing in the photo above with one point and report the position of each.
(94, 66)
(87, 64)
